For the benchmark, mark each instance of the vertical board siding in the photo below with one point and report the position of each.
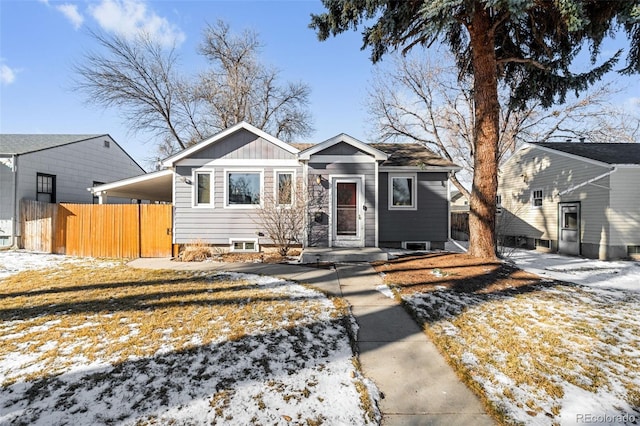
(243, 145)
(110, 230)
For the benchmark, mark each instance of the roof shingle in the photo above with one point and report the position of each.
(610, 153)
(17, 144)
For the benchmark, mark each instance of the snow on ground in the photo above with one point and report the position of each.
(15, 261)
(299, 374)
(594, 273)
(554, 354)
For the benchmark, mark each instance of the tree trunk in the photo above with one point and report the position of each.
(482, 217)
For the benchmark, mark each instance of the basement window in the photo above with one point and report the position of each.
(543, 243)
(416, 245)
(243, 245)
(633, 250)
(4, 241)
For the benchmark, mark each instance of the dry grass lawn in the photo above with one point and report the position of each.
(116, 344)
(535, 351)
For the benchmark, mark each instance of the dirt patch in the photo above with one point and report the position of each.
(454, 271)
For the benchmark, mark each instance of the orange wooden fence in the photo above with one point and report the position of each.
(109, 230)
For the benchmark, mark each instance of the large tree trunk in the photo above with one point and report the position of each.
(482, 217)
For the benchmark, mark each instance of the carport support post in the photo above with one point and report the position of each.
(102, 197)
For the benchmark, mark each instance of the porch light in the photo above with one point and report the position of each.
(319, 179)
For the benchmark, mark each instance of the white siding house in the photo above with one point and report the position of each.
(55, 168)
(575, 198)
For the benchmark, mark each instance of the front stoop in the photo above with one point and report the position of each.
(342, 255)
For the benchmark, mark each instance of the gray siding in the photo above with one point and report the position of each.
(243, 145)
(218, 224)
(430, 222)
(76, 166)
(319, 232)
(341, 148)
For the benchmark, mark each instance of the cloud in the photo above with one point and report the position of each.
(7, 75)
(129, 18)
(72, 14)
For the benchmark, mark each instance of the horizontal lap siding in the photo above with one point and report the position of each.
(430, 222)
(624, 214)
(534, 169)
(216, 225)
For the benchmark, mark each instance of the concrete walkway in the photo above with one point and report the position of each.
(416, 384)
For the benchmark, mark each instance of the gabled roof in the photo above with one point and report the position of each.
(343, 137)
(609, 153)
(17, 144)
(170, 161)
(412, 155)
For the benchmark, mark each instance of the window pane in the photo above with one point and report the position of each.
(244, 188)
(249, 245)
(285, 188)
(204, 188)
(402, 191)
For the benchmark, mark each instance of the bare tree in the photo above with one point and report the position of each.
(426, 101)
(282, 216)
(239, 87)
(141, 78)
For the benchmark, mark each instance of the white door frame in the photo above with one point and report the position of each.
(342, 240)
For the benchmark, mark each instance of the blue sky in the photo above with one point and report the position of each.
(40, 40)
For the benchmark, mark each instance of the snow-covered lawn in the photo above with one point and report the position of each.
(99, 343)
(548, 353)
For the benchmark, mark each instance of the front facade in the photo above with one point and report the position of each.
(53, 169)
(574, 198)
(355, 194)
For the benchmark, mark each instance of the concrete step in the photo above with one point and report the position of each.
(342, 255)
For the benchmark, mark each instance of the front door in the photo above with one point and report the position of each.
(569, 228)
(347, 215)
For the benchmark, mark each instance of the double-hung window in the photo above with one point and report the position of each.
(244, 188)
(46, 188)
(284, 188)
(203, 189)
(403, 191)
(536, 198)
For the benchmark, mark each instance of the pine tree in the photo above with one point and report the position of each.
(530, 44)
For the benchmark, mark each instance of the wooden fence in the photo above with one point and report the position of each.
(460, 226)
(109, 230)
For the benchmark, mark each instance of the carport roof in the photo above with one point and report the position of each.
(156, 186)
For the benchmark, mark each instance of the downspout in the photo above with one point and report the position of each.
(580, 185)
(16, 207)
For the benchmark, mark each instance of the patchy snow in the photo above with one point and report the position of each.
(385, 290)
(15, 261)
(299, 374)
(594, 273)
(555, 354)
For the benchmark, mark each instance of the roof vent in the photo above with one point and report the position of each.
(107, 144)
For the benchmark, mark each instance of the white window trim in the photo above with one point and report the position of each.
(414, 191)
(533, 205)
(276, 182)
(226, 189)
(232, 241)
(194, 193)
(499, 204)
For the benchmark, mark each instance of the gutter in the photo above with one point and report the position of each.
(580, 185)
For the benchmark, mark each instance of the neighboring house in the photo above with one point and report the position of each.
(357, 194)
(54, 169)
(574, 198)
(459, 202)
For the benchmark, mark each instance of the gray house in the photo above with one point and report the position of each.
(574, 198)
(55, 168)
(356, 194)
